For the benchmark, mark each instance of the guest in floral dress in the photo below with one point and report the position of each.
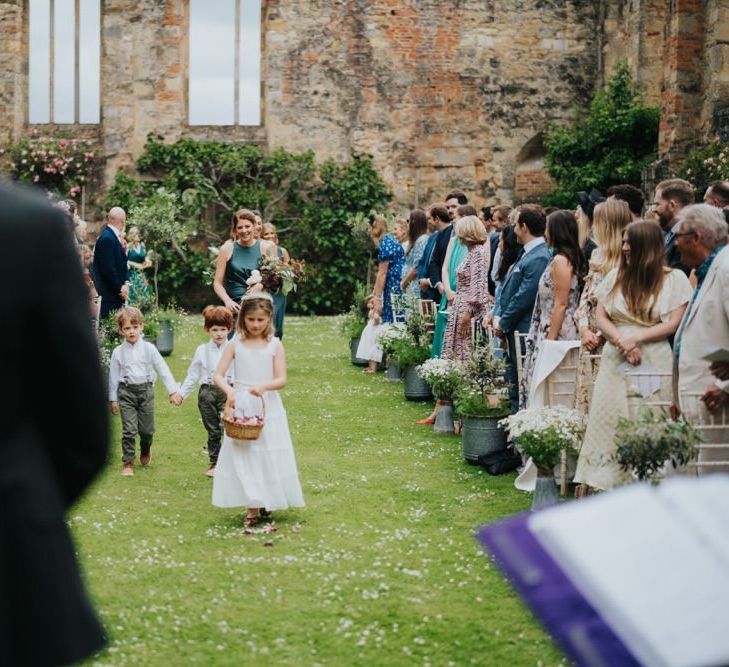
(639, 305)
(390, 260)
(609, 220)
(470, 299)
(417, 240)
(558, 293)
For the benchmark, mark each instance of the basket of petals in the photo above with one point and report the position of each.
(241, 426)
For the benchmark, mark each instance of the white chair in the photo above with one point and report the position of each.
(714, 428)
(399, 310)
(648, 390)
(520, 344)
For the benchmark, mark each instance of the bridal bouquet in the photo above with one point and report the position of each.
(277, 276)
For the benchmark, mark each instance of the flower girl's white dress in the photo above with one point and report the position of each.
(262, 472)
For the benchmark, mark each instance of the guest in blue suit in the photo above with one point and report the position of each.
(438, 219)
(513, 311)
(109, 269)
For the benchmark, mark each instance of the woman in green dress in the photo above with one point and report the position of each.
(269, 233)
(238, 259)
(138, 260)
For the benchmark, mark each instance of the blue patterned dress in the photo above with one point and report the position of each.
(390, 251)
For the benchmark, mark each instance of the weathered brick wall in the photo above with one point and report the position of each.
(532, 182)
(11, 63)
(715, 113)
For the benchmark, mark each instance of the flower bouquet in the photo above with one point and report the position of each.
(389, 335)
(445, 376)
(279, 277)
(542, 433)
(646, 445)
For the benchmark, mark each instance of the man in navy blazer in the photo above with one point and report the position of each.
(439, 218)
(513, 312)
(109, 269)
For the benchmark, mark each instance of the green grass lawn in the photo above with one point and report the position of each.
(380, 568)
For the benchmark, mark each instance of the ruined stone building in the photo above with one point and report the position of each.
(441, 93)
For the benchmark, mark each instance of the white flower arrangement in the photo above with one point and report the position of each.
(255, 278)
(444, 376)
(543, 432)
(389, 334)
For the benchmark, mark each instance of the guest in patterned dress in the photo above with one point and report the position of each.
(639, 305)
(558, 293)
(609, 220)
(470, 299)
(417, 240)
(140, 293)
(390, 258)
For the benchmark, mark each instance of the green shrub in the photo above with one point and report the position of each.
(704, 165)
(613, 144)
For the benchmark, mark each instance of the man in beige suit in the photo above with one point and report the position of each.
(702, 239)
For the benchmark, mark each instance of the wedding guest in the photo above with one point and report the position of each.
(438, 221)
(557, 294)
(640, 304)
(400, 233)
(701, 240)
(138, 262)
(630, 195)
(109, 267)
(610, 219)
(269, 233)
(471, 294)
(55, 436)
(583, 215)
(513, 311)
(717, 194)
(257, 224)
(390, 258)
(499, 218)
(417, 240)
(435, 267)
(670, 197)
(508, 252)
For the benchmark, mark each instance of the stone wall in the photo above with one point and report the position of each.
(442, 95)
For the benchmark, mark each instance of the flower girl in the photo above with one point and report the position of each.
(259, 474)
(368, 347)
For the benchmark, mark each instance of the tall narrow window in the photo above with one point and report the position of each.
(64, 61)
(225, 62)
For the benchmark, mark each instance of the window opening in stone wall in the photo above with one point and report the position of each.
(224, 85)
(64, 50)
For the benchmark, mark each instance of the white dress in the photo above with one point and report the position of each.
(262, 472)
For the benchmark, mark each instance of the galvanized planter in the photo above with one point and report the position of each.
(545, 492)
(353, 345)
(481, 435)
(166, 338)
(393, 372)
(444, 419)
(416, 389)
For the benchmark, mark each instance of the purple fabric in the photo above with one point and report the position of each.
(571, 620)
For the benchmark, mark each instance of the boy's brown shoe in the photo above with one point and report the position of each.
(145, 456)
(128, 469)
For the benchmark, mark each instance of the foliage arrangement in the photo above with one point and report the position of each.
(544, 432)
(278, 276)
(161, 225)
(414, 347)
(445, 376)
(483, 392)
(611, 145)
(310, 205)
(108, 338)
(704, 165)
(389, 334)
(646, 445)
(60, 165)
(353, 322)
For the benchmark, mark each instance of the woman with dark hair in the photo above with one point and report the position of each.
(559, 292)
(417, 239)
(508, 252)
(639, 305)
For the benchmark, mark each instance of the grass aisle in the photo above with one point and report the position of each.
(380, 568)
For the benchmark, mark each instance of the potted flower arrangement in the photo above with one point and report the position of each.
(354, 321)
(647, 445)
(481, 401)
(408, 353)
(445, 377)
(542, 433)
(386, 339)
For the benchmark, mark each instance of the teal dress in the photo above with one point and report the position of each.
(279, 304)
(241, 264)
(458, 254)
(140, 293)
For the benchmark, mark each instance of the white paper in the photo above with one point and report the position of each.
(654, 562)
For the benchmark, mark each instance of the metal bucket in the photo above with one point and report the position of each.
(416, 389)
(481, 435)
(444, 419)
(353, 345)
(165, 338)
(393, 373)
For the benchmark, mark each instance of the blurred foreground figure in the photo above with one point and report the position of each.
(53, 435)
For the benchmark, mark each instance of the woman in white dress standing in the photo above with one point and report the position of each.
(260, 474)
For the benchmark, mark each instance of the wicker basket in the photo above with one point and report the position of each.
(244, 431)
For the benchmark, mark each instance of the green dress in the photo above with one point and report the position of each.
(458, 254)
(241, 264)
(140, 293)
(279, 304)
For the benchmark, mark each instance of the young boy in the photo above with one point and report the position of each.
(210, 399)
(131, 387)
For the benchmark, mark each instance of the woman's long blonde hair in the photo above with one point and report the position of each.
(609, 220)
(641, 280)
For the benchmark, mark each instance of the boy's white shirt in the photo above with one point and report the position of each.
(202, 367)
(137, 364)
